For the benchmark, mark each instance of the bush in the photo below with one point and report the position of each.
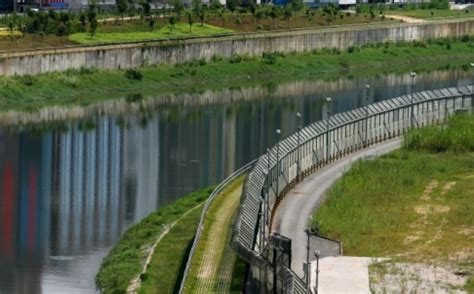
(456, 136)
(133, 74)
(352, 49)
(235, 59)
(27, 80)
(269, 58)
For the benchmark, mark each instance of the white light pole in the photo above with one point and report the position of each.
(328, 101)
(472, 85)
(413, 76)
(298, 166)
(317, 253)
(367, 88)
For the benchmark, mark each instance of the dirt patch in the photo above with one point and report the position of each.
(391, 277)
(447, 187)
(406, 18)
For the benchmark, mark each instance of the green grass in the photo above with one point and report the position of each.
(372, 209)
(432, 14)
(124, 261)
(83, 87)
(212, 268)
(179, 30)
(166, 268)
(457, 136)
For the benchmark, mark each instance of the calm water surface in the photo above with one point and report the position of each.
(66, 194)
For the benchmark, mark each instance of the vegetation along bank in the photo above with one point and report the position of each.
(413, 206)
(86, 86)
(125, 261)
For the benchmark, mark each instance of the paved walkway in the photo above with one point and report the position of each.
(293, 214)
(342, 275)
(407, 19)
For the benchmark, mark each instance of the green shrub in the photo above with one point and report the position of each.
(456, 136)
(133, 74)
(235, 59)
(269, 58)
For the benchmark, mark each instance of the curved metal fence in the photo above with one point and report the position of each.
(211, 198)
(316, 145)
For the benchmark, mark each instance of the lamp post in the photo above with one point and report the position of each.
(308, 267)
(367, 89)
(328, 101)
(317, 253)
(298, 163)
(413, 76)
(278, 132)
(472, 85)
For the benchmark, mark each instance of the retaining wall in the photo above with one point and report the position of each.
(130, 55)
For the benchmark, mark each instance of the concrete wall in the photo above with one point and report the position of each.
(132, 55)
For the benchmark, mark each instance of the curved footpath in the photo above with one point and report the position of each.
(293, 214)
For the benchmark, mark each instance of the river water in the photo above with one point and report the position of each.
(68, 189)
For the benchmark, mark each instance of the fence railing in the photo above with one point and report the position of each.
(209, 201)
(316, 145)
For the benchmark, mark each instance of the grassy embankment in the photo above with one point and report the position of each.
(82, 87)
(433, 14)
(213, 268)
(168, 31)
(414, 205)
(124, 261)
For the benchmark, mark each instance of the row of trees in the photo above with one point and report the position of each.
(55, 23)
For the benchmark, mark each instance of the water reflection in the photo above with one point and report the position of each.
(68, 191)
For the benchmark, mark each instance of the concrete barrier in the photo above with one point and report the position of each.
(137, 54)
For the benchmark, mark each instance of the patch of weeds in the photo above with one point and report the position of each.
(133, 74)
(27, 80)
(235, 59)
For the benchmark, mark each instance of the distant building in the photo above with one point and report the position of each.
(6, 5)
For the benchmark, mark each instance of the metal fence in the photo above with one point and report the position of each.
(316, 145)
(209, 201)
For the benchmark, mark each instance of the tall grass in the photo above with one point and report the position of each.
(456, 136)
(371, 209)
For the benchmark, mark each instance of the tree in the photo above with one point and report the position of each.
(274, 13)
(215, 5)
(151, 24)
(231, 5)
(178, 7)
(259, 15)
(122, 6)
(172, 21)
(189, 15)
(287, 14)
(146, 9)
(83, 21)
(297, 5)
(198, 10)
(222, 15)
(93, 27)
(92, 16)
(253, 8)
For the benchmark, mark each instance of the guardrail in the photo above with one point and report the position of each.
(316, 145)
(211, 198)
